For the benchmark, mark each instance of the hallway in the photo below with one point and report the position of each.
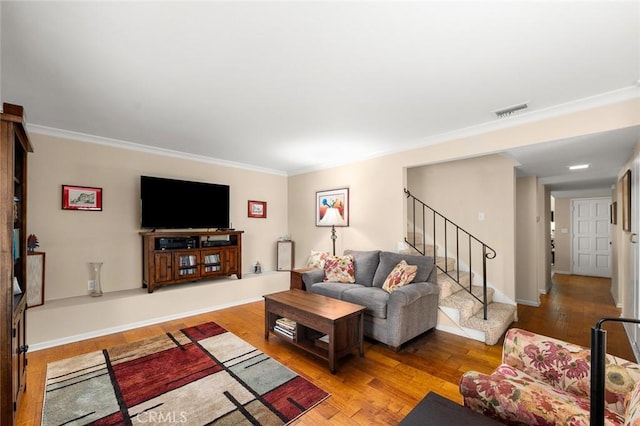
(571, 308)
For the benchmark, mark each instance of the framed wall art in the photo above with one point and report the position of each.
(81, 198)
(258, 209)
(625, 187)
(332, 207)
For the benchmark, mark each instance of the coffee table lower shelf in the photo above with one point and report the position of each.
(316, 316)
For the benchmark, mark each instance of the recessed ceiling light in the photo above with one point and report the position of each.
(579, 167)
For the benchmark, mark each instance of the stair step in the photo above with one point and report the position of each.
(448, 285)
(465, 303)
(448, 264)
(429, 250)
(499, 318)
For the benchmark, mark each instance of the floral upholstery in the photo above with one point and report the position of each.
(339, 269)
(316, 259)
(401, 274)
(545, 381)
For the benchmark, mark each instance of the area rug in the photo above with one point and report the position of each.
(196, 376)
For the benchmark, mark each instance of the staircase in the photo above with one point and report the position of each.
(468, 305)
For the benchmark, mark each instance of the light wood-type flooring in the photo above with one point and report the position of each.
(382, 387)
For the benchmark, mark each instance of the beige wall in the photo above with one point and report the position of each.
(544, 283)
(562, 216)
(625, 291)
(526, 267)
(71, 239)
(377, 210)
(461, 191)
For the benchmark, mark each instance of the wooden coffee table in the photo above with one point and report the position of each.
(315, 316)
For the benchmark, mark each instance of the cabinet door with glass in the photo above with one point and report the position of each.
(186, 265)
(212, 262)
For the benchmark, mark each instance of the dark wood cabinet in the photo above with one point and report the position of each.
(177, 257)
(14, 146)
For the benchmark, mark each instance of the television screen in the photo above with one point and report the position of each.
(178, 204)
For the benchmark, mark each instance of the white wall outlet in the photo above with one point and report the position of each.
(91, 284)
(480, 215)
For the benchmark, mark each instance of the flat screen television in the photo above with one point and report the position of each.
(181, 204)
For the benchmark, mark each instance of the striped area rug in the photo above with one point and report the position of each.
(196, 376)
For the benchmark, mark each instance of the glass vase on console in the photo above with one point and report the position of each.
(96, 288)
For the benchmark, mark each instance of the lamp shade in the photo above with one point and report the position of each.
(332, 217)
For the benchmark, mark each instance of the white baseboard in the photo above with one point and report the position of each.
(131, 326)
(528, 303)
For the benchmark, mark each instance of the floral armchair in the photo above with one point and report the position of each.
(545, 381)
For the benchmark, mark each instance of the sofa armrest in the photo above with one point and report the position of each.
(313, 276)
(409, 293)
(567, 366)
(632, 406)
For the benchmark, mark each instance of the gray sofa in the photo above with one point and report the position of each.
(391, 318)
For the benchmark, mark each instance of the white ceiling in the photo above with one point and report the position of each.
(285, 85)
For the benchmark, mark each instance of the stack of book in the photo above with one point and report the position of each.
(286, 327)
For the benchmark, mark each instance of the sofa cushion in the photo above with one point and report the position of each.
(334, 290)
(389, 260)
(339, 269)
(400, 275)
(365, 264)
(514, 397)
(374, 299)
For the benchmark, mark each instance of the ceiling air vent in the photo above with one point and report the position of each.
(508, 111)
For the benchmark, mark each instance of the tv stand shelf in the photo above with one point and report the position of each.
(186, 256)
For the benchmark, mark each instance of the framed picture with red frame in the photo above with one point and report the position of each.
(81, 198)
(258, 209)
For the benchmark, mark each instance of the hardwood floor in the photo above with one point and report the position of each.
(384, 386)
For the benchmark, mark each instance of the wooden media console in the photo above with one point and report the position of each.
(178, 257)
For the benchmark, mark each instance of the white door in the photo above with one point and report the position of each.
(591, 237)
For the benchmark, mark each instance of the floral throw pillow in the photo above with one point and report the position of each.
(316, 259)
(339, 269)
(400, 275)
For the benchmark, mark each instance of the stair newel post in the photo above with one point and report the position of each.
(424, 230)
(470, 241)
(434, 237)
(446, 246)
(413, 202)
(457, 253)
(484, 279)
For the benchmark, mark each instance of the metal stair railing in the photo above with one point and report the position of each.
(424, 220)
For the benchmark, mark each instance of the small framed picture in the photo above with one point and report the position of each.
(81, 198)
(258, 209)
(332, 207)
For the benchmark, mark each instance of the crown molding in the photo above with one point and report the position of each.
(530, 116)
(115, 143)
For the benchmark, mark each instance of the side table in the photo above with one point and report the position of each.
(296, 278)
